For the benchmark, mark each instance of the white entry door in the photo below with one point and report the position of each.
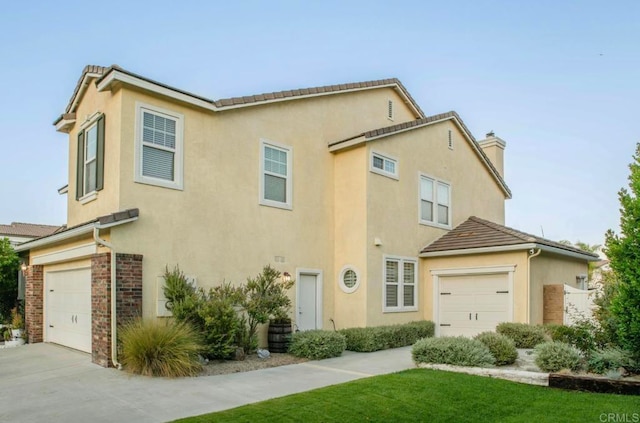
(471, 304)
(309, 307)
(68, 308)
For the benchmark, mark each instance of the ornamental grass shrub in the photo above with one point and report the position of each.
(458, 351)
(383, 337)
(611, 359)
(160, 348)
(554, 356)
(317, 344)
(502, 348)
(524, 335)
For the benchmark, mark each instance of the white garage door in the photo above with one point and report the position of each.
(68, 308)
(472, 304)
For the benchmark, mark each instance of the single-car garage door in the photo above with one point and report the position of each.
(471, 304)
(68, 308)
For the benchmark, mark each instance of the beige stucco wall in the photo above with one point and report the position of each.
(107, 200)
(215, 228)
(393, 205)
(350, 237)
(510, 258)
(551, 269)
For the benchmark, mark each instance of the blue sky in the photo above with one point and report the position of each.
(557, 80)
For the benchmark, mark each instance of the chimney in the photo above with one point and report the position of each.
(494, 147)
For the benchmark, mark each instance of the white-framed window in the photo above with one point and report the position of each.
(349, 279)
(276, 172)
(384, 165)
(159, 146)
(390, 109)
(400, 275)
(90, 159)
(435, 202)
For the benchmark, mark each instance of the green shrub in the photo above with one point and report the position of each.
(502, 348)
(363, 339)
(212, 313)
(524, 335)
(608, 359)
(317, 344)
(220, 322)
(382, 337)
(581, 336)
(554, 356)
(459, 351)
(160, 348)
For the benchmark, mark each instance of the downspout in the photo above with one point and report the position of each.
(114, 326)
(532, 254)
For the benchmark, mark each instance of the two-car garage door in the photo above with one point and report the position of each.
(470, 304)
(68, 308)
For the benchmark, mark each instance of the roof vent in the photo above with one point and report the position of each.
(491, 134)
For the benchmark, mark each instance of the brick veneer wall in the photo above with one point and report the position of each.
(128, 299)
(34, 303)
(553, 304)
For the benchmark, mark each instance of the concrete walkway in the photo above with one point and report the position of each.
(44, 382)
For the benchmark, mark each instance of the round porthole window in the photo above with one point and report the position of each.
(349, 279)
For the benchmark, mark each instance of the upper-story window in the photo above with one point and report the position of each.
(435, 202)
(275, 175)
(159, 146)
(90, 160)
(384, 165)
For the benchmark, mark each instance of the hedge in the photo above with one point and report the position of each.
(377, 338)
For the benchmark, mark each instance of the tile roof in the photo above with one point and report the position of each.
(480, 233)
(418, 123)
(327, 89)
(102, 72)
(27, 230)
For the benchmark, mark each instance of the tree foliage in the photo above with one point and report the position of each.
(9, 265)
(623, 251)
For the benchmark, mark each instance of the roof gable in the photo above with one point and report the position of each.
(421, 123)
(475, 233)
(105, 76)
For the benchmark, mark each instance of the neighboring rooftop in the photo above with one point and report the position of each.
(27, 230)
(479, 233)
(105, 221)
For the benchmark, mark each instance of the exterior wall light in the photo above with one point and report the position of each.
(286, 277)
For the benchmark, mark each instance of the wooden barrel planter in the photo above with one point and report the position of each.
(279, 336)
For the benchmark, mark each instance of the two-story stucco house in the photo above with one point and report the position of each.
(345, 187)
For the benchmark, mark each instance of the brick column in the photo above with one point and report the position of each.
(34, 303)
(128, 299)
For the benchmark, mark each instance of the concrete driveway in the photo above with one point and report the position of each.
(44, 382)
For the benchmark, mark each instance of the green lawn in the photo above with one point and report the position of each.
(433, 396)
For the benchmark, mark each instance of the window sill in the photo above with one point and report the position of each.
(401, 310)
(275, 204)
(158, 183)
(435, 225)
(93, 195)
(386, 174)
